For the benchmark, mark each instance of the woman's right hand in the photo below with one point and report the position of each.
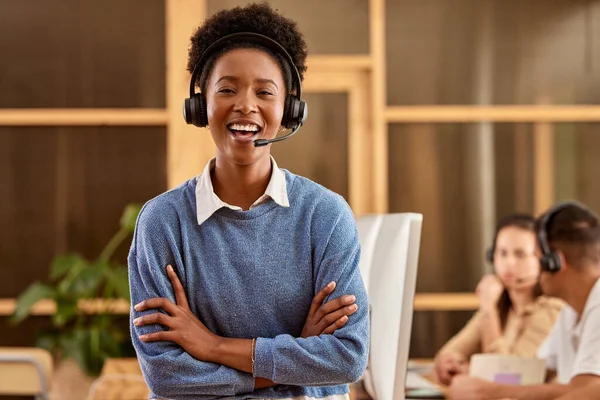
(329, 317)
(447, 365)
(488, 291)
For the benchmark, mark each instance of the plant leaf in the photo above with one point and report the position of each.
(86, 283)
(129, 217)
(64, 263)
(65, 286)
(65, 311)
(119, 281)
(34, 293)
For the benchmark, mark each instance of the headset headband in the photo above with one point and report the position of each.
(547, 220)
(254, 38)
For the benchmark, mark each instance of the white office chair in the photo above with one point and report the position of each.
(392, 278)
(368, 229)
(25, 371)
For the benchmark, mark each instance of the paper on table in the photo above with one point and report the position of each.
(508, 369)
(414, 381)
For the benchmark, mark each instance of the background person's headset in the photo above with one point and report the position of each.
(550, 260)
(295, 109)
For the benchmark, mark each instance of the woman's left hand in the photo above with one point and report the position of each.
(185, 328)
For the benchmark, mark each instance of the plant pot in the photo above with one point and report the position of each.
(69, 382)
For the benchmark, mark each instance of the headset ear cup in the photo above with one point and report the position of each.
(489, 255)
(551, 263)
(187, 111)
(287, 112)
(194, 111)
(295, 112)
(302, 112)
(201, 111)
(556, 263)
(544, 263)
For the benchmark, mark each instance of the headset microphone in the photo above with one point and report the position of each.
(264, 142)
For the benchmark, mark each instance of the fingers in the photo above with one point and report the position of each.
(330, 318)
(158, 302)
(445, 368)
(156, 318)
(157, 336)
(180, 296)
(340, 322)
(320, 297)
(334, 305)
(445, 376)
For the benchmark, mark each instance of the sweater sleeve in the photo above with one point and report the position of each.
(325, 360)
(466, 342)
(168, 369)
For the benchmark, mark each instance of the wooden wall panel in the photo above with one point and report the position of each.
(65, 191)
(345, 23)
(72, 53)
(319, 150)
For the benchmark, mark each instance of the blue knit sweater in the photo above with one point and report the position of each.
(252, 274)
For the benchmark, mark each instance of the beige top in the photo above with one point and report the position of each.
(522, 335)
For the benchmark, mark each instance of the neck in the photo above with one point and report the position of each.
(520, 299)
(241, 185)
(579, 288)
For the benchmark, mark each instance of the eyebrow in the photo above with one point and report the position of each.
(234, 79)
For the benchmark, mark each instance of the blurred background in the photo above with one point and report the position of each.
(463, 110)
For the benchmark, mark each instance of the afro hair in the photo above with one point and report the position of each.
(255, 18)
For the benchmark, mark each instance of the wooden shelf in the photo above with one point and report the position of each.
(446, 302)
(82, 117)
(520, 113)
(423, 302)
(48, 307)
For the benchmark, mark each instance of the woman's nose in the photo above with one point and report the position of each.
(245, 103)
(511, 262)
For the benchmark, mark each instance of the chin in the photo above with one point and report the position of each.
(248, 155)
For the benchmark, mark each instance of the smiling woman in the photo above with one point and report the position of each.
(245, 98)
(245, 279)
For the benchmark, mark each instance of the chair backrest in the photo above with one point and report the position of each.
(392, 280)
(368, 229)
(25, 371)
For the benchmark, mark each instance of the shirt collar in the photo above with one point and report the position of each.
(207, 201)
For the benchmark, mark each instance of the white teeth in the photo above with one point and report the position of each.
(247, 128)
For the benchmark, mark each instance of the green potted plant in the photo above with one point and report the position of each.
(89, 339)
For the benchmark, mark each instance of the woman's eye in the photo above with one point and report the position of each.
(265, 92)
(225, 90)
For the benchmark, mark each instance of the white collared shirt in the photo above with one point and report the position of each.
(207, 201)
(572, 347)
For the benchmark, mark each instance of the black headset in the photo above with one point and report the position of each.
(295, 109)
(489, 254)
(550, 260)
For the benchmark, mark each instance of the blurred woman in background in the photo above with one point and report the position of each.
(513, 317)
